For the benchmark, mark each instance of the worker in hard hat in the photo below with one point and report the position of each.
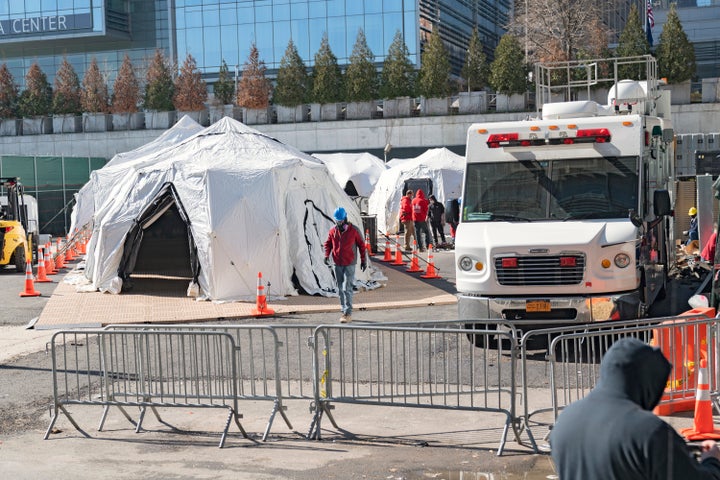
(692, 232)
(344, 243)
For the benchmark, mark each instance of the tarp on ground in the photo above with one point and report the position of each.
(358, 172)
(100, 179)
(250, 203)
(443, 167)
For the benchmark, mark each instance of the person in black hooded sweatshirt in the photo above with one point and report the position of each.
(612, 433)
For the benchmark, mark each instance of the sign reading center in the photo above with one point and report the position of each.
(46, 24)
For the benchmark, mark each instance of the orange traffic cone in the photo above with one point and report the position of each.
(29, 285)
(388, 254)
(703, 427)
(41, 274)
(49, 264)
(82, 246)
(414, 265)
(69, 253)
(368, 245)
(398, 253)
(430, 273)
(261, 307)
(60, 258)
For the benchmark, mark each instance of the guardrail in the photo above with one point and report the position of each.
(144, 368)
(423, 367)
(469, 365)
(574, 354)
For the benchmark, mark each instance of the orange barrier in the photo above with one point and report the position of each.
(49, 264)
(41, 274)
(398, 253)
(388, 253)
(60, 258)
(29, 285)
(261, 307)
(69, 254)
(703, 427)
(82, 246)
(368, 246)
(414, 265)
(681, 348)
(430, 273)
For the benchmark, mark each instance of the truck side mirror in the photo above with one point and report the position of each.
(635, 218)
(661, 203)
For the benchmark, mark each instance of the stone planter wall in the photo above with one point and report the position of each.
(435, 106)
(472, 102)
(36, 126)
(359, 110)
(10, 127)
(200, 116)
(510, 103)
(256, 116)
(290, 114)
(314, 112)
(330, 112)
(398, 107)
(128, 121)
(67, 123)
(97, 122)
(159, 120)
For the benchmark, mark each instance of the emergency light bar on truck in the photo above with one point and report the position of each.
(587, 135)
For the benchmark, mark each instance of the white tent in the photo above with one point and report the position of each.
(443, 167)
(362, 170)
(247, 204)
(85, 199)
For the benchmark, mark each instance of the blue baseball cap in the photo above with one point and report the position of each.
(340, 214)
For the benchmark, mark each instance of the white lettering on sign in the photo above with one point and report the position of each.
(36, 24)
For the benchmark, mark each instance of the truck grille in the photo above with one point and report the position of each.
(541, 271)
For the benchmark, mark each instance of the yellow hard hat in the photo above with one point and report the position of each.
(692, 211)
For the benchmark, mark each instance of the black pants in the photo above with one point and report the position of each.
(438, 228)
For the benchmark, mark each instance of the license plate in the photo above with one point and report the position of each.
(537, 306)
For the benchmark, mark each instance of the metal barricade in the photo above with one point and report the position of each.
(263, 372)
(425, 367)
(574, 354)
(144, 368)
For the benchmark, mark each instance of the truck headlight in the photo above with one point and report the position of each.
(622, 260)
(466, 264)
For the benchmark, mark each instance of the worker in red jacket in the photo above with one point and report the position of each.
(406, 219)
(343, 240)
(420, 207)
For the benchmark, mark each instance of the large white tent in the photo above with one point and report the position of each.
(354, 171)
(248, 204)
(101, 180)
(443, 167)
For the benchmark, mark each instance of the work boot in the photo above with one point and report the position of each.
(345, 318)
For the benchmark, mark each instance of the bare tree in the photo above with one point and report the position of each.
(559, 30)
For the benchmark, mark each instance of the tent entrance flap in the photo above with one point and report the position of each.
(160, 241)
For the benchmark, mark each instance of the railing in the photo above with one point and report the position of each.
(461, 365)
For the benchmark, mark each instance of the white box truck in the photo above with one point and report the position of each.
(566, 218)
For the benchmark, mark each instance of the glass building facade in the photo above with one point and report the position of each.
(216, 30)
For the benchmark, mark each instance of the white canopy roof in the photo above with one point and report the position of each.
(440, 165)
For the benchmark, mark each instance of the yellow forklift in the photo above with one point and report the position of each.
(15, 244)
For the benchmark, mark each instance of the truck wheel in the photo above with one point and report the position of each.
(19, 256)
(479, 340)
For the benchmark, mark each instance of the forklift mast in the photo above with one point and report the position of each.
(16, 210)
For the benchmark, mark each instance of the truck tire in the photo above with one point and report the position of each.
(19, 257)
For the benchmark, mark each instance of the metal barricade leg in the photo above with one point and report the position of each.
(54, 418)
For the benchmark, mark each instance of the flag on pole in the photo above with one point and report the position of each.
(649, 22)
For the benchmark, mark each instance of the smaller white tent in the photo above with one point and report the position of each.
(85, 201)
(443, 167)
(362, 170)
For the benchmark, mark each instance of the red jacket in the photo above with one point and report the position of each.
(342, 245)
(420, 207)
(405, 209)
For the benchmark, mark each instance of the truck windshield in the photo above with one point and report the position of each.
(565, 189)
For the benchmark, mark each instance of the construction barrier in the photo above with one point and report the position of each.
(574, 354)
(141, 368)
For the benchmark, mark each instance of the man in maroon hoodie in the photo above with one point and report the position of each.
(419, 215)
(406, 218)
(342, 240)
